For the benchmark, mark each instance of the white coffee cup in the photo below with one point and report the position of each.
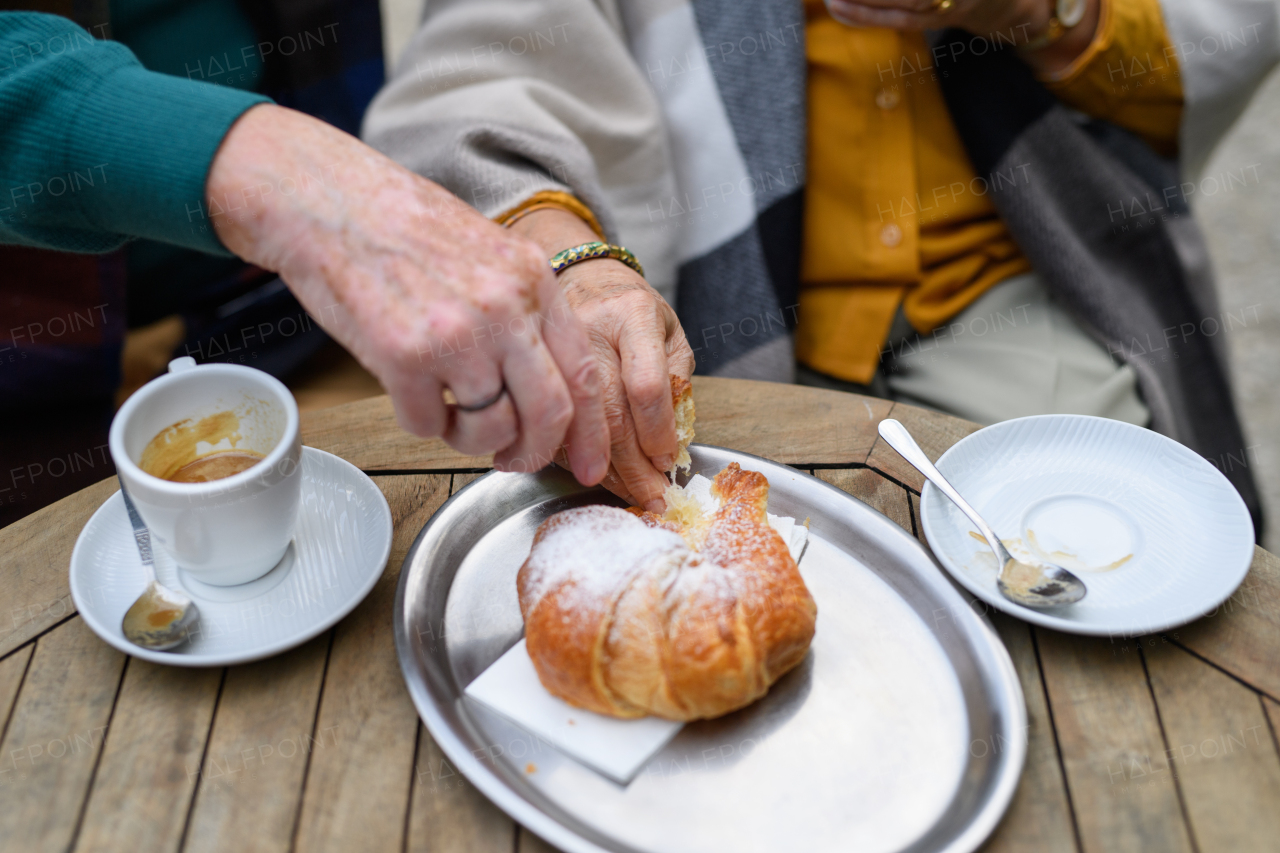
(228, 531)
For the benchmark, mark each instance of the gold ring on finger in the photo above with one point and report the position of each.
(941, 6)
(483, 404)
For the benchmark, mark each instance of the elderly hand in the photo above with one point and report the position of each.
(638, 344)
(977, 16)
(1019, 21)
(424, 291)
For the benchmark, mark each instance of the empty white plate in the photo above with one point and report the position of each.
(338, 553)
(1158, 535)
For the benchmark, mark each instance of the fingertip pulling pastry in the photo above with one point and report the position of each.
(682, 399)
(685, 616)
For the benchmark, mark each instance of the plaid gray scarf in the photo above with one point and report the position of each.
(1145, 292)
(683, 127)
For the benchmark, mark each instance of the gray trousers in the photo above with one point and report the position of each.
(1012, 353)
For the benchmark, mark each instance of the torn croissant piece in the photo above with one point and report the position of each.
(682, 399)
(686, 616)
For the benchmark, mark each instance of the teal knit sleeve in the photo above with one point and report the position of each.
(95, 149)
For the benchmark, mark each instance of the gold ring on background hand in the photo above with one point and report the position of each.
(942, 5)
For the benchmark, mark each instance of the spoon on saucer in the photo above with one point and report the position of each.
(1045, 585)
(161, 618)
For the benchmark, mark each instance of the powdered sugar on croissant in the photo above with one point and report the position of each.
(684, 617)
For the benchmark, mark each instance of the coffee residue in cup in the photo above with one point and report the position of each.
(198, 451)
(216, 466)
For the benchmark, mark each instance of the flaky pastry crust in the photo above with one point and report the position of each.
(625, 617)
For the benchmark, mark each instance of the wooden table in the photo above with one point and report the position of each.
(1161, 743)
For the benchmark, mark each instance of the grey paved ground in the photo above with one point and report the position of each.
(1243, 230)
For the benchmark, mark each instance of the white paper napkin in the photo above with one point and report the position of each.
(616, 748)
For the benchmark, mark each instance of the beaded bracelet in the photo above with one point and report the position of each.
(590, 251)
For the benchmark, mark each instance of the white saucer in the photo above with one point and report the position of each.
(338, 553)
(1158, 535)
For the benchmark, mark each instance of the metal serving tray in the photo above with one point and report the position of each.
(903, 729)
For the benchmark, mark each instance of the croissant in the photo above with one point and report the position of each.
(685, 616)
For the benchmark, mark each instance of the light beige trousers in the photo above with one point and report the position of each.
(1014, 352)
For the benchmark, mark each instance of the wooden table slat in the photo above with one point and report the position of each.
(458, 481)
(1111, 745)
(1040, 815)
(357, 789)
(1220, 749)
(151, 760)
(914, 500)
(1039, 818)
(871, 488)
(447, 814)
(321, 748)
(1272, 709)
(933, 431)
(12, 670)
(787, 423)
(264, 732)
(1243, 634)
(55, 737)
(36, 552)
(365, 433)
(530, 843)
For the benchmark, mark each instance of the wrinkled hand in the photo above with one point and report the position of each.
(638, 344)
(424, 291)
(976, 16)
(1019, 21)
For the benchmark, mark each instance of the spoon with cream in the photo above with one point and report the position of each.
(161, 618)
(1045, 585)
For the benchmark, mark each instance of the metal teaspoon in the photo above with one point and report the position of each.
(1040, 586)
(161, 618)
